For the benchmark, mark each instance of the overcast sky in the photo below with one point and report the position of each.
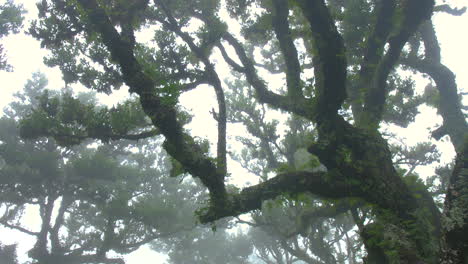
(25, 55)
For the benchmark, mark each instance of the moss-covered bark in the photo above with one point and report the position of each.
(455, 247)
(358, 159)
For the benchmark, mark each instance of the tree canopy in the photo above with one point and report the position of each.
(11, 21)
(333, 74)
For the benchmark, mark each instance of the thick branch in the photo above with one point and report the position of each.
(374, 51)
(59, 221)
(372, 169)
(109, 237)
(283, 34)
(11, 213)
(330, 60)
(332, 211)
(251, 198)
(431, 43)
(414, 13)
(449, 10)
(190, 86)
(455, 248)
(454, 122)
(299, 106)
(229, 60)
(106, 138)
(163, 115)
(213, 79)
(45, 210)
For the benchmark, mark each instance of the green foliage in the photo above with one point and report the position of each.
(211, 34)
(104, 191)
(70, 121)
(176, 168)
(8, 254)
(355, 27)
(284, 168)
(116, 197)
(205, 246)
(169, 94)
(11, 21)
(402, 103)
(11, 18)
(431, 96)
(96, 167)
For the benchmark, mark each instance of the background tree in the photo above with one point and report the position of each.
(92, 201)
(205, 245)
(11, 21)
(8, 254)
(338, 64)
(298, 220)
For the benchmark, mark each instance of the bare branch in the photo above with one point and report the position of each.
(19, 228)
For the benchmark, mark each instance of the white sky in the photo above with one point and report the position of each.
(25, 55)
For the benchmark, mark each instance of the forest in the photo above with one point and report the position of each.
(306, 104)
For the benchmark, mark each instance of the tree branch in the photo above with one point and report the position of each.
(454, 122)
(449, 10)
(213, 79)
(228, 59)
(431, 43)
(332, 211)
(59, 221)
(92, 259)
(178, 144)
(384, 12)
(300, 107)
(298, 253)
(330, 60)
(19, 228)
(126, 248)
(283, 34)
(251, 198)
(414, 13)
(106, 138)
(455, 241)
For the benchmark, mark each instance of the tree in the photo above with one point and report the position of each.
(340, 62)
(8, 254)
(302, 227)
(204, 245)
(92, 201)
(11, 21)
